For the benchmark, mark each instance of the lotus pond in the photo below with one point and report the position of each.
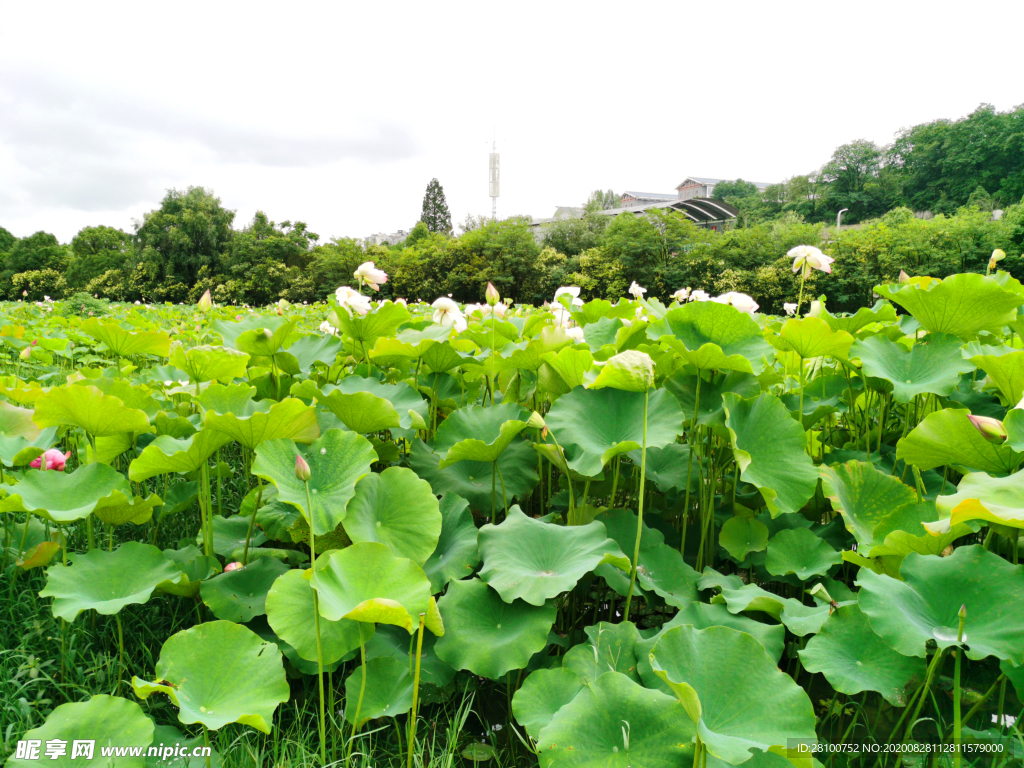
(590, 534)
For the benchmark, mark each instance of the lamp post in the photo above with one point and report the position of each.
(839, 217)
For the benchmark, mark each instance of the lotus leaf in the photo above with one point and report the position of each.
(742, 535)
(107, 581)
(800, 552)
(948, 437)
(712, 336)
(230, 409)
(542, 694)
(337, 460)
(215, 688)
(119, 508)
(106, 720)
(258, 342)
(1005, 373)
(398, 509)
(667, 467)
(89, 409)
(854, 659)
(683, 384)
(166, 454)
(209, 363)
(365, 330)
(388, 690)
(289, 605)
(62, 497)
(535, 561)
(241, 594)
(486, 635)
(229, 535)
(907, 614)
(395, 642)
(124, 343)
(166, 736)
(609, 648)
(596, 425)
(476, 433)
(979, 496)
(615, 723)
(629, 371)
(769, 448)
(864, 496)
(933, 366)
(194, 566)
(725, 679)
(811, 337)
(309, 350)
(367, 582)
(456, 554)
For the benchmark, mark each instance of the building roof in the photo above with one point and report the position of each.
(699, 210)
(652, 195)
(701, 180)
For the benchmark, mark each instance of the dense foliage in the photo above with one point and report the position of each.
(628, 533)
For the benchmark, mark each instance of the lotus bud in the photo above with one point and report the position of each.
(820, 591)
(26, 353)
(492, 295)
(206, 302)
(536, 421)
(947, 551)
(998, 255)
(268, 333)
(962, 613)
(235, 566)
(302, 469)
(904, 277)
(992, 429)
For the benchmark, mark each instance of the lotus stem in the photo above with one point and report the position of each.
(206, 741)
(800, 300)
(415, 690)
(689, 465)
(494, 469)
(696, 752)
(936, 661)
(120, 651)
(1001, 680)
(362, 692)
(615, 481)
(316, 626)
(504, 498)
(957, 725)
(252, 521)
(640, 514)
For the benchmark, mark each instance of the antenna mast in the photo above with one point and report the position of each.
(495, 179)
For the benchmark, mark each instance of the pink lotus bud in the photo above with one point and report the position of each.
(904, 277)
(206, 302)
(235, 566)
(302, 469)
(492, 295)
(992, 429)
(54, 460)
(26, 353)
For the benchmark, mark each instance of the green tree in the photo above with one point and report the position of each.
(435, 209)
(509, 251)
(190, 230)
(35, 252)
(94, 250)
(738, 188)
(264, 258)
(7, 240)
(332, 264)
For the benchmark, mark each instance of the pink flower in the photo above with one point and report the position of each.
(807, 257)
(236, 566)
(992, 429)
(54, 460)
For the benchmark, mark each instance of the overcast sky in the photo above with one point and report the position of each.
(339, 114)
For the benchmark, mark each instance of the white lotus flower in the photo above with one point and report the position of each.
(699, 295)
(576, 334)
(447, 314)
(562, 316)
(401, 302)
(740, 301)
(352, 300)
(498, 310)
(636, 291)
(682, 295)
(368, 274)
(326, 327)
(807, 257)
(790, 308)
(572, 290)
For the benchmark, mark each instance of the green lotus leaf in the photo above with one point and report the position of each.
(178, 498)
(361, 412)
(961, 305)
(702, 616)
(683, 385)
(124, 343)
(535, 561)
(1005, 374)
(1015, 674)
(388, 691)
(268, 340)
(62, 497)
(241, 594)
(251, 423)
(119, 508)
(667, 467)
(18, 451)
(979, 496)
(629, 371)
(541, 695)
(472, 479)
(107, 581)
(139, 398)
(615, 723)
(800, 552)
(932, 366)
(769, 449)
(17, 422)
(563, 371)
(800, 619)
(165, 454)
(854, 659)
(194, 566)
(219, 673)
(717, 673)
(811, 337)
(609, 648)
(403, 398)
(864, 496)
(367, 582)
(712, 336)
(337, 460)
(289, 605)
(398, 509)
(456, 554)
(881, 312)
(309, 350)
(948, 437)
(366, 329)
(924, 606)
(394, 642)
(106, 720)
(166, 737)
(229, 535)
(742, 535)
(905, 530)
(89, 409)
(476, 433)
(486, 635)
(209, 363)
(596, 425)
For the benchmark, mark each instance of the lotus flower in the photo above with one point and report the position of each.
(636, 291)
(447, 314)
(904, 278)
(401, 302)
(576, 334)
(498, 310)
(235, 566)
(54, 460)
(997, 255)
(368, 274)
(740, 301)
(790, 308)
(326, 327)
(301, 468)
(699, 295)
(807, 257)
(206, 302)
(992, 429)
(491, 294)
(682, 295)
(352, 300)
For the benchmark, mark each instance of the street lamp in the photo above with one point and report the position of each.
(839, 217)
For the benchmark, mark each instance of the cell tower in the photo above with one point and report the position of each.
(495, 180)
